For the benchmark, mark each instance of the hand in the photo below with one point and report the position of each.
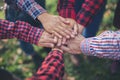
(76, 27)
(80, 28)
(73, 45)
(47, 40)
(72, 25)
(55, 25)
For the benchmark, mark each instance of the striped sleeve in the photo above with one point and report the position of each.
(106, 45)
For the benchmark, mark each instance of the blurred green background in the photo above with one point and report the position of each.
(13, 59)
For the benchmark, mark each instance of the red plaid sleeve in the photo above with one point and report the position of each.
(86, 13)
(88, 10)
(66, 8)
(52, 68)
(19, 30)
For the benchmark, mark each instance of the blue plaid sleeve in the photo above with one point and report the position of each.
(31, 7)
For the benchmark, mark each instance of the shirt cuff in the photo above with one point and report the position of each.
(36, 10)
(85, 46)
(34, 35)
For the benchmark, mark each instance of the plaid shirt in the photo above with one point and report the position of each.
(31, 7)
(106, 45)
(19, 30)
(52, 68)
(86, 13)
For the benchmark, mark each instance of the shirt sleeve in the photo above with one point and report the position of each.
(52, 68)
(66, 8)
(31, 7)
(20, 30)
(88, 10)
(86, 13)
(106, 45)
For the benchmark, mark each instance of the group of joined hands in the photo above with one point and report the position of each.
(63, 34)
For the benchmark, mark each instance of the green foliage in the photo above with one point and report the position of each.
(51, 6)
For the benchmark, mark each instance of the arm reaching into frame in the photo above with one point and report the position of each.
(26, 32)
(105, 45)
(52, 68)
(52, 24)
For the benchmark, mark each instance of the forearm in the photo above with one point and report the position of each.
(52, 68)
(31, 7)
(19, 30)
(88, 10)
(106, 45)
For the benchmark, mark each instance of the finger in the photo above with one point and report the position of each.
(46, 34)
(64, 48)
(64, 20)
(47, 40)
(64, 40)
(59, 42)
(55, 39)
(75, 29)
(50, 45)
(56, 34)
(67, 30)
(61, 32)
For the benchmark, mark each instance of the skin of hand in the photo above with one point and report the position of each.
(47, 40)
(72, 46)
(77, 28)
(55, 25)
(80, 28)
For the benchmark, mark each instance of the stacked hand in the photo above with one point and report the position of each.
(56, 25)
(61, 33)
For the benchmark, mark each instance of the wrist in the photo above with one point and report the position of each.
(42, 17)
(83, 45)
(81, 28)
(57, 49)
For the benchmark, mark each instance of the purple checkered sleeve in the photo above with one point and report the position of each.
(31, 7)
(19, 30)
(106, 45)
